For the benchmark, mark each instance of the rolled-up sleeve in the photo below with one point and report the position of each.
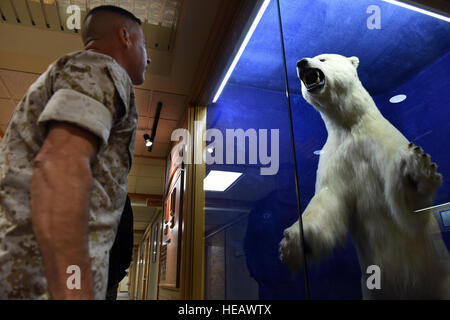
(86, 93)
(74, 107)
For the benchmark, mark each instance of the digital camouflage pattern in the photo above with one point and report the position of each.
(94, 92)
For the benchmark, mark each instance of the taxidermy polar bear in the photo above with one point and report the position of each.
(370, 180)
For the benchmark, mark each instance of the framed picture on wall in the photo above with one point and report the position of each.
(171, 233)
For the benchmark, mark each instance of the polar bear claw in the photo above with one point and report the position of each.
(290, 250)
(421, 173)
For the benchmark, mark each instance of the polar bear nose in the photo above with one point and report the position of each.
(301, 64)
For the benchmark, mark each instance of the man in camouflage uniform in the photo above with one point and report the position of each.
(64, 162)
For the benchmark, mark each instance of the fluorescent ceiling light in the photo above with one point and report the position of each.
(139, 203)
(241, 49)
(411, 7)
(398, 98)
(220, 180)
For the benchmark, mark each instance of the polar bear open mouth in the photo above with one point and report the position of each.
(312, 79)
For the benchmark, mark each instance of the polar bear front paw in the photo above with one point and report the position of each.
(420, 176)
(290, 251)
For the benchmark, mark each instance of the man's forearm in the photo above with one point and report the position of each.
(60, 194)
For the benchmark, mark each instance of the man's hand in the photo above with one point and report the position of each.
(60, 195)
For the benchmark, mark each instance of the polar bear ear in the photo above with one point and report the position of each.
(354, 61)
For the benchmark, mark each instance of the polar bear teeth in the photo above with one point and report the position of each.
(312, 79)
(309, 85)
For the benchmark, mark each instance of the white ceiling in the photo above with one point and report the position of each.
(159, 17)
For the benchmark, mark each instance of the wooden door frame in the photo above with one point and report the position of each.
(193, 255)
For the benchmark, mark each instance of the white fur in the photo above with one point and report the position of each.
(369, 182)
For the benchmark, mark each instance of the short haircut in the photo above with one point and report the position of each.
(101, 24)
(113, 9)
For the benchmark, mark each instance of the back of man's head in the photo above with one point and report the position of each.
(103, 21)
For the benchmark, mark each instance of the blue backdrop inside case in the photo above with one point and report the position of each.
(408, 55)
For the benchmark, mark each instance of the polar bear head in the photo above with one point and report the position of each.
(328, 79)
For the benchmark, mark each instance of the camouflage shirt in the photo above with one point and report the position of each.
(90, 90)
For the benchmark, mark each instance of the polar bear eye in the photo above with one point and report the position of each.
(322, 60)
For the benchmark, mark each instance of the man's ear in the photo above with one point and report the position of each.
(124, 37)
(354, 61)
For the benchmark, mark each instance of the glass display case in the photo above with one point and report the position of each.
(259, 175)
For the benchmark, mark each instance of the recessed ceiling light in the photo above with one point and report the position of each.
(398, 98)
(220, 180)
